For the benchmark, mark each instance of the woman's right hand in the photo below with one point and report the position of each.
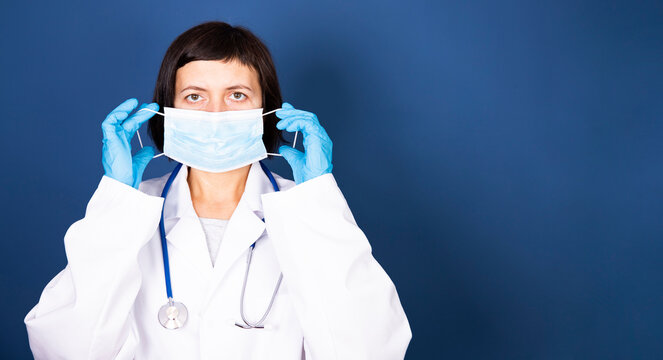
(118, 129)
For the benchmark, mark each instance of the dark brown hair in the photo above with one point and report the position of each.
(217, 40)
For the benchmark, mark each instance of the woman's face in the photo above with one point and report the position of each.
(216, 85)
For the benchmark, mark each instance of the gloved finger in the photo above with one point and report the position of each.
(115, 118)
(126, 106)
(306, 126)
(121, 111)
(139, 117)
(283, 124)
(139, 163)
(285, 114)
(300, 114)
(293, 156)
(287, 108)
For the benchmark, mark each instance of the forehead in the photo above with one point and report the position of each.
(216, 74)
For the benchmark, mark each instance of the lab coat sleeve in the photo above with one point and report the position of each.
(347, 305)
(85, 311)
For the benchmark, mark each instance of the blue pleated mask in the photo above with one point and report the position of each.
(214, 141)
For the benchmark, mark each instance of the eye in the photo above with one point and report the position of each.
(193, 97)
(238, 96)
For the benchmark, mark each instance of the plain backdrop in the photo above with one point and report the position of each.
(503, 158)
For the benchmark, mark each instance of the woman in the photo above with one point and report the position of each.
(313, 290)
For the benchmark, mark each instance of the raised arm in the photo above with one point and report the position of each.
(85, 311)
(346, 303)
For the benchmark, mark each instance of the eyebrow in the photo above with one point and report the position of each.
(234, 87)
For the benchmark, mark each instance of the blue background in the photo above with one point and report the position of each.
(503, 158)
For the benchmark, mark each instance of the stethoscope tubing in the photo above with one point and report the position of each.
(162, 230)
(166, 262)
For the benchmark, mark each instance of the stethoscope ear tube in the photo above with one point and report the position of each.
(258, 324)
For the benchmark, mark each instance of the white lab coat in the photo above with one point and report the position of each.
(335, 301)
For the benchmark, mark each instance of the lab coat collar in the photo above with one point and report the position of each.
(184, 231)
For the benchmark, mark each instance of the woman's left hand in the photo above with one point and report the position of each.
(317, 155)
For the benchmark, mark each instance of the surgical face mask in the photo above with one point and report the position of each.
(213, 141)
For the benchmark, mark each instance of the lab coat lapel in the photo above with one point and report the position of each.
(184, 233)
(244, 228)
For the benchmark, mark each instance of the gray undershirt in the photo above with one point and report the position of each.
(214, 230)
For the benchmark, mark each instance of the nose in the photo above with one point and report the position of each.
(216, 105)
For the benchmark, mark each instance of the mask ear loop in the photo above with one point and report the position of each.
(140, 141)
(294, 142)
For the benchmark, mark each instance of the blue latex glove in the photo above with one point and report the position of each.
(316, 159)
(118, 129)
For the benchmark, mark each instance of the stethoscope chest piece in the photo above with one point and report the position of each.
(173, 315)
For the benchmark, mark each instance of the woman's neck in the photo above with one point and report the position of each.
(216, 195)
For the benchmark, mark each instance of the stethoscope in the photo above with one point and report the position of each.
(173, 314)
